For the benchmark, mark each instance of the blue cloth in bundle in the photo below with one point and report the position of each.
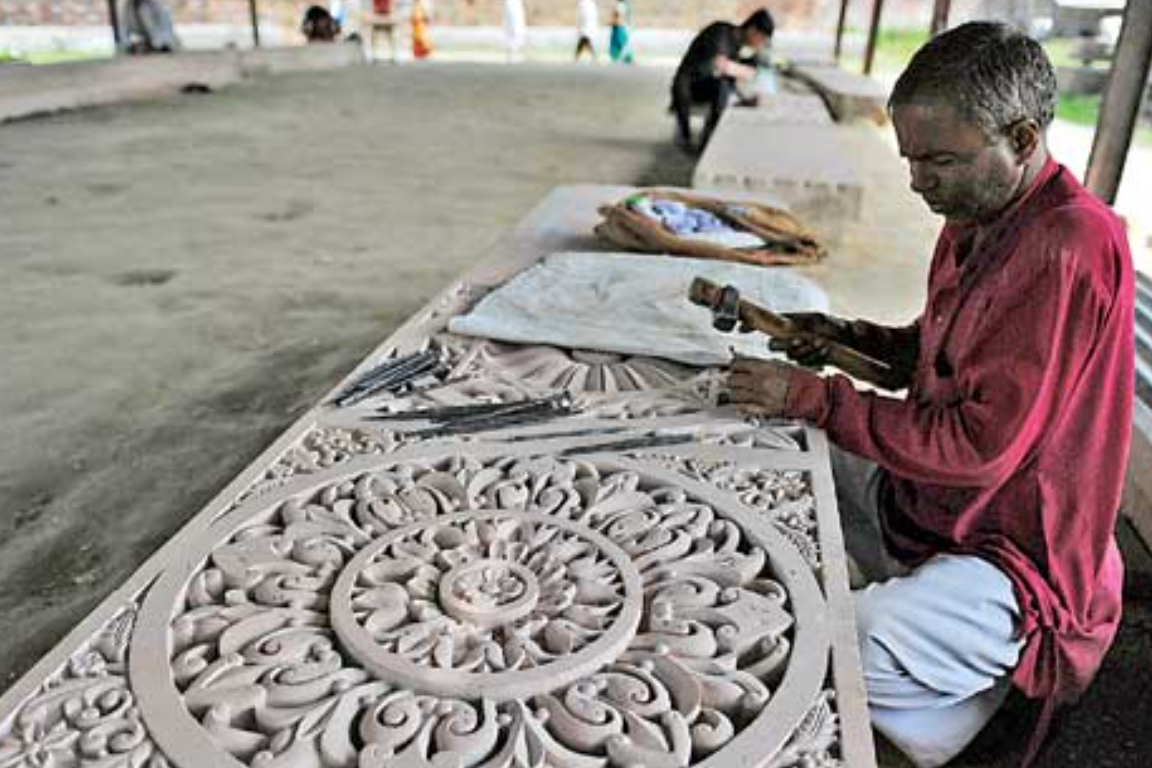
(684, 220)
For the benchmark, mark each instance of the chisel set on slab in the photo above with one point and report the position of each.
(462, 419)
(390, 377)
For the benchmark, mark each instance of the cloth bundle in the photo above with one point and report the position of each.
(662, 221)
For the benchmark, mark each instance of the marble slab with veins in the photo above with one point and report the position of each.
(363, 596)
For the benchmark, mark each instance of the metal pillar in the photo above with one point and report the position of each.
(873, 33)
(254, 15)
(114, 20)
(940, 12)
(1120, 108)
(840, 29)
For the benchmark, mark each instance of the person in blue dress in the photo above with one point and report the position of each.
(620, 43)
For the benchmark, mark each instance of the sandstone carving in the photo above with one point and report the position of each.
(385, 595)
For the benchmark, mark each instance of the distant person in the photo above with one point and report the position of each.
(382, 20)
(515, 29)
(620, 43)
(319, 26)
(146, 27)
(587, 28)
(421, 34)
(710, 69)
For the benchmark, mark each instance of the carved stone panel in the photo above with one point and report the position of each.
(453, 611)
(369, 595)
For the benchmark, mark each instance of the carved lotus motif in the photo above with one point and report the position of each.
(483, 603)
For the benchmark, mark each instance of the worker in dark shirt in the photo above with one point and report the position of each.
(709, 70)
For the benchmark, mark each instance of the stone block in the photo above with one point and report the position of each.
(805, 165)
(303, 58)
(789, 108)
(848, 95)
(28, 91)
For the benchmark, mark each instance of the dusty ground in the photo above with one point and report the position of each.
(179, 279)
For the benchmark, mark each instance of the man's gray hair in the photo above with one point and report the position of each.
(993, 74)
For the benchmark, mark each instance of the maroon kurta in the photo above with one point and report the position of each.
(1012, 442)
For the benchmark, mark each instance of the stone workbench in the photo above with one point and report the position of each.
(784, 155)
(362, 595)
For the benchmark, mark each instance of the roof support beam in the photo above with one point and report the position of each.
(114, 20)
(254, 16)
(840, 22)
(873, 34)
(1120, 109)
(940, 12)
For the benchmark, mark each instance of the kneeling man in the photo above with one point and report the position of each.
(989, 492)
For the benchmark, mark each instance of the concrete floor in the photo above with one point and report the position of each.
(179, 279)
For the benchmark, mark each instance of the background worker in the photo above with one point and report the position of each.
(708, 72)
(319, 26)
(982, 503)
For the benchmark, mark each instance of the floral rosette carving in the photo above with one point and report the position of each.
(576, 371)
(460, 613)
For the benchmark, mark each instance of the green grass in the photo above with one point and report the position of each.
(52, 57)
(894, 49)
(1079, 109)
(1085, 110)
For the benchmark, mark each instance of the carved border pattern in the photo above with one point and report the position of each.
(784, 496)
(319, 449)
(86, 714)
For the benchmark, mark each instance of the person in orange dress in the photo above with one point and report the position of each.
(421, 39)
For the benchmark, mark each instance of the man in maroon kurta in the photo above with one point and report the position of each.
(1011, 442)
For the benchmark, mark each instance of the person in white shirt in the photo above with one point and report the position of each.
(515, 29)
(587, 28)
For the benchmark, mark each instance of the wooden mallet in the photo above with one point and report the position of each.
(729, 310)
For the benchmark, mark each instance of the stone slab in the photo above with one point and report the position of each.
(790, 108)
(1137, 501)
(849, 96)
(806, 165)
(366, 595)
(301, 58)
(33, 90)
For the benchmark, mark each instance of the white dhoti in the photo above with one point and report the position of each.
(938, 644)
